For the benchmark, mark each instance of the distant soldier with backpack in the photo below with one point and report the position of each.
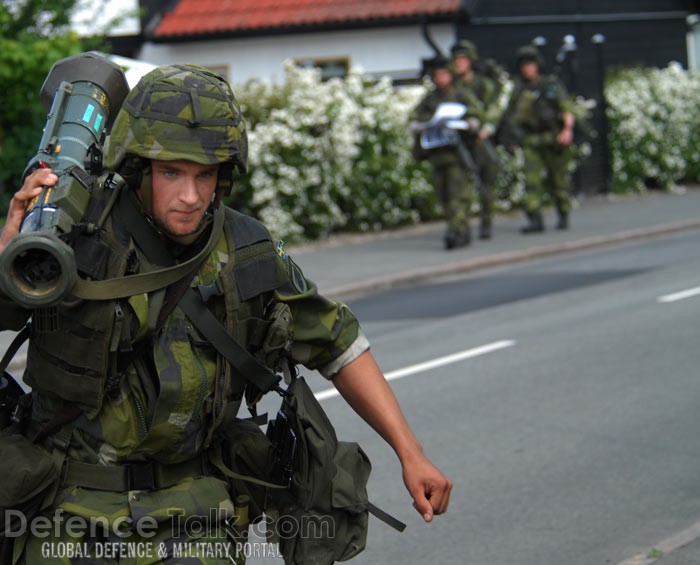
(539, 119)
(452, 177)
(481, 93)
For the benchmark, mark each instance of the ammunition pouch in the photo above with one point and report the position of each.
(242, 455)
(327, 482)
(300, 474)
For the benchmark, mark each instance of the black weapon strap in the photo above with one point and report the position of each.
(247, 365)
(17, 342)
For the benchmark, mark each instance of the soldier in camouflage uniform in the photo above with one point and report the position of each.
(128, 394)
(539, 119)
(453, 183)
(480, 93)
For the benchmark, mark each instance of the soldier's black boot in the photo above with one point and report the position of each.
(563, 223)
(454, 240)
(449, 239)
(485, 229)
(464, 239)
(535, 224)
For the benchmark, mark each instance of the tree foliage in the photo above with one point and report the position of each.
(34, 34)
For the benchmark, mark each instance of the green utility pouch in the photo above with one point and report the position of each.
(29, 477)
(326, 505)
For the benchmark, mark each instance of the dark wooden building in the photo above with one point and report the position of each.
(579, 40)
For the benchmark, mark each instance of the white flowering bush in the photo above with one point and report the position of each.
(337, 155)
(326, 156)
(654, 128)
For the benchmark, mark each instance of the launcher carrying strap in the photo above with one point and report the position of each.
(122, 287)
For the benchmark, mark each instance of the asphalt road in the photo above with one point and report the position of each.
(572, 437)
(560, 395)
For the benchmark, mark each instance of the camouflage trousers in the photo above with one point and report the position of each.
(547, 177)
(185, 524)
(456, 190)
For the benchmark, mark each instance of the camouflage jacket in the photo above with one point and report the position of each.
(536, 108)
(160, 404)
(424, 111)
(163, 404)
(481, 97)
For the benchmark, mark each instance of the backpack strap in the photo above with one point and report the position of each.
(246, 365)
(385, 517)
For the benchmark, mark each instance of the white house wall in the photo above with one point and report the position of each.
(396, 51)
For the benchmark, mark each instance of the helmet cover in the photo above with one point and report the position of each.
(180, 112)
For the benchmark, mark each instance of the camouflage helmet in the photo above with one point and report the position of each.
(180, 112)
(436, 63)
(465, 47)
(529, 54)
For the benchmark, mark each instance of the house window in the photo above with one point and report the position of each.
(223, 70)
(331, 67)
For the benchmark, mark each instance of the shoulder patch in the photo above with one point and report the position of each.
(296, 277)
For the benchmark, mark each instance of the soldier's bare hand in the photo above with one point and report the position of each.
(428, 486)
(32, 187)
(484, 133)
(565, 137)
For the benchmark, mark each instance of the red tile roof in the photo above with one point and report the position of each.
(204, 17)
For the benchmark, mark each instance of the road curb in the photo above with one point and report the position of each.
(423, 274)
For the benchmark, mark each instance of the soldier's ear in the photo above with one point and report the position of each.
(131, 170)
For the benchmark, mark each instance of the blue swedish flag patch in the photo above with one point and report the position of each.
(280, 250)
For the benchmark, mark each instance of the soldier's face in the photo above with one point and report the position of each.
(182, 192)
(530, 70)
(462, 63)
(442, 78)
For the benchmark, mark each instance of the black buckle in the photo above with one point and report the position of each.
(141, 476)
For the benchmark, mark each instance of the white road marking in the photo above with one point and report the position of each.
(682, 295)
(432, 364)
(665, 547)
